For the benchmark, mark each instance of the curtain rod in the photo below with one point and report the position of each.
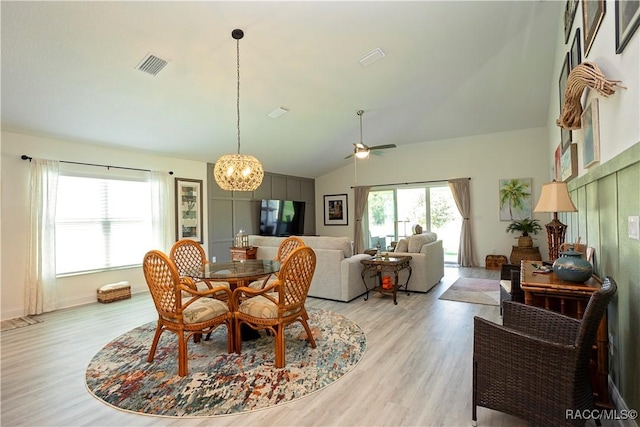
(407, 183)
(25, 157)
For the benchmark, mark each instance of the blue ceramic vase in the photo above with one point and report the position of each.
(571, 267)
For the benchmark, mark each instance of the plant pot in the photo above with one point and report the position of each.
(525, 241)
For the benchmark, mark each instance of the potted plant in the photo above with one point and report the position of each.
(525, 227)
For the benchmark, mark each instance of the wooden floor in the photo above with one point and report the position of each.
(416, 370)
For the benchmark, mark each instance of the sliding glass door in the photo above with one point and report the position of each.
(393, 212)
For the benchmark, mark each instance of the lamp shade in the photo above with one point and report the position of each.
(554, 197)
(238, 172)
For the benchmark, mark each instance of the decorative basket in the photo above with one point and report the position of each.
(494, 262)
(114, 292)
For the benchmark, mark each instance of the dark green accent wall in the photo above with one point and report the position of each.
(605, 197)
(229, 211)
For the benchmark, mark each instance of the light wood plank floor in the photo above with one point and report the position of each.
(416, 370)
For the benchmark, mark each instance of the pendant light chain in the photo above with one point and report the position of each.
(238, 88)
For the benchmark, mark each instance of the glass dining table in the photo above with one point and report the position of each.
(236, 273)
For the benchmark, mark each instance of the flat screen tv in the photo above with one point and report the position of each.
(281, 218)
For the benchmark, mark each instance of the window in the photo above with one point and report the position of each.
(391, 214)
(101, 223)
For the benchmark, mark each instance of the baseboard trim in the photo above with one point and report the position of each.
(620, 405)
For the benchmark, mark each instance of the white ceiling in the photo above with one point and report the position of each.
(451, 69)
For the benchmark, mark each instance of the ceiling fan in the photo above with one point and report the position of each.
(361, 150)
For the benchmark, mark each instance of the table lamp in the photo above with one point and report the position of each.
(555, 198)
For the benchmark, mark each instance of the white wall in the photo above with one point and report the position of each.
(620, 112)
(14, 218)
(485, 159)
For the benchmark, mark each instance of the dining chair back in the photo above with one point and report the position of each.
(278, 304)
(186, 317)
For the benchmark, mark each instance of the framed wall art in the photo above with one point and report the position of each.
(592, 14)
(565, 134)
(575, 54)
(335, 209)
(557, 165)
(627, 22)
(591, 134)
(569, 163)
(569, 14)
(515, 199)
(189, 209)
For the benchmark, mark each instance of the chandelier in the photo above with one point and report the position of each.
(238, 172)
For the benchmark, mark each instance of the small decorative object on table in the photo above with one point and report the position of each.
(572, 267)
(114, 292)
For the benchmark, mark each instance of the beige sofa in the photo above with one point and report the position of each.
(338, 273)
(427, 261)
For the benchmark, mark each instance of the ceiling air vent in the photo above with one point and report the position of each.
(151, 64)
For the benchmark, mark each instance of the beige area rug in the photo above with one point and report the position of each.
(18, 322)
(476, 291)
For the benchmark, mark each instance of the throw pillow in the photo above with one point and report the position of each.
(416, 242)
(402, 246)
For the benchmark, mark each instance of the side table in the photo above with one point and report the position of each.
(378, 265)
(518, 253)
(243, 254)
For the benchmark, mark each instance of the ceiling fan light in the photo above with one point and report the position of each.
(364, 154)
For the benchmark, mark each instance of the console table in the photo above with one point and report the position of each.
(378, 265)
(570, 299)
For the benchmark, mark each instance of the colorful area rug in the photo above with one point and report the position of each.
(219, 383)
(476, 291)
(18, 322)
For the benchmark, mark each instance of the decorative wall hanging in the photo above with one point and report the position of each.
(189, 209)
(565, 134)
(557, 164)
(627, 22)
(575, 54)
(515, 199)
(591, 134)
(335, 209)
(592, 14)
(569, 163)
(584, 75)
(569, 14)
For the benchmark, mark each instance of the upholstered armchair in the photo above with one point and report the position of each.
(194, 315)
(536, 365)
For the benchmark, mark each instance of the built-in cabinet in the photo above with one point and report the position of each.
(230, 211)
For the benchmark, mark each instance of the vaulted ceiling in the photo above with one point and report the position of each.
(450, 69)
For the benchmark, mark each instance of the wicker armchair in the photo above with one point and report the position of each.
(185, 317)
(536, 365)
(284, 250)
(190, 258)
(510, 284)
(279, 304)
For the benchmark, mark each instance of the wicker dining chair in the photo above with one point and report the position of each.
(536, 365)
(510, 289)
(279, 304)
(284, 250)
(190, 258)
(192, 316)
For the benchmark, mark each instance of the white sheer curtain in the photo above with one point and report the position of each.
(161, 211)
(40, 286)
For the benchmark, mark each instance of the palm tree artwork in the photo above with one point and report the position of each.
(515, 199)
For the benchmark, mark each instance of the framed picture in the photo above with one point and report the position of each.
(592, 14)
(575, 54)
(557, 166)
(591, 134)
(515, 199)
(565, 134)
(627, 21)
(569, 14)
(189, 209)
(335, 209)
(569, 163)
